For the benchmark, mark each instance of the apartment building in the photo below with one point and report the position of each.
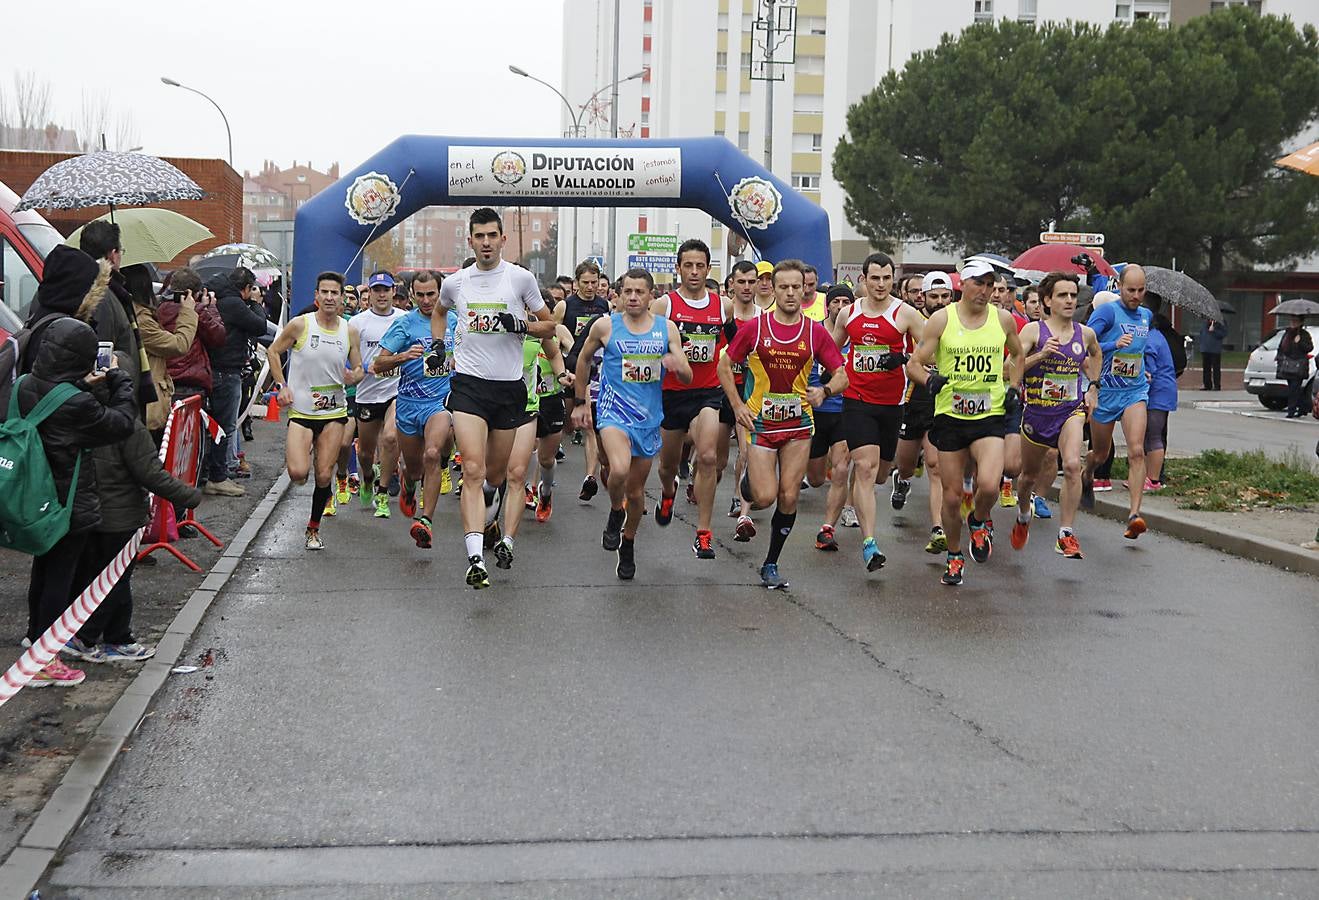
(697, 55)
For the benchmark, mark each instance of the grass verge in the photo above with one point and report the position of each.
(1223, 481)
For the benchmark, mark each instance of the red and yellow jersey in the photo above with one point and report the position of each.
(778, 365)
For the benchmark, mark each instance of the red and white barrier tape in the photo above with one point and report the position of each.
(48, 646)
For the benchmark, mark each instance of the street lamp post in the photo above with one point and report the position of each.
(575, 115)
(172, 83)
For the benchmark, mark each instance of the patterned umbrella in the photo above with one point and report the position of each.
(1182, 290)
(108, 178)
(250, 256)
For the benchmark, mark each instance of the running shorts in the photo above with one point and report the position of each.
(316, 426)
(828, 431)
(916, 420)
(951, 435)
(552, 416)
(373, 412)
(779, 439)
(1112, 404)
(867, 424)
(645, 441)
(501, 404)
(682, 407)
(412, 415)
(1044, 431)
(726, 415)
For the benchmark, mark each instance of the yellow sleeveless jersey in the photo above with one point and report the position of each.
(972, 361)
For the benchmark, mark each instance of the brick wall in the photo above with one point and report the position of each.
(221, 211)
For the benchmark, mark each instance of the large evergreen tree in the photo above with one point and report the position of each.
(1162, 138)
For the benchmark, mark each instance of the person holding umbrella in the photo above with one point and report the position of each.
(1212, 333)
(1294, 353)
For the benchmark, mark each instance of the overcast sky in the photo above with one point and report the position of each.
(312, 81)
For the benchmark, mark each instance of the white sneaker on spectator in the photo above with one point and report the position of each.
(76, 649)
(224, 488)
(133, 652)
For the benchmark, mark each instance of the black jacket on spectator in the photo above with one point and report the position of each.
(125, 472)
(105, 415)
(243, 322)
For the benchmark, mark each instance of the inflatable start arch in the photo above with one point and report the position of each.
(417, 171)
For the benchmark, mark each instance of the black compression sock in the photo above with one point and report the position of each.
(318, 498)
(779, 528)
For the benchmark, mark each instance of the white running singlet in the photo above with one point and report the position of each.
(316, 371)
(484, 348)
(372, 327)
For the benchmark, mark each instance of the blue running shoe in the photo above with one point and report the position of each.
(871, 554)
(1042, 508)
(770, 578)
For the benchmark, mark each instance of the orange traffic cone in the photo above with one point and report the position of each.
(272, 408)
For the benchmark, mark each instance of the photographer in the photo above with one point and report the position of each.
(160, 344)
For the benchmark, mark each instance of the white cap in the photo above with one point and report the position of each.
(934, 281)
(976, 267)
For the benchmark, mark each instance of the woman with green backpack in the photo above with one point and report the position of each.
(100, 412)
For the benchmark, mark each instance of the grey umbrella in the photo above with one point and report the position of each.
(1297, 306)
(108, 178)
(1182, 290)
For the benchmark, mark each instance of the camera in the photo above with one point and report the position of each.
(1084, 260)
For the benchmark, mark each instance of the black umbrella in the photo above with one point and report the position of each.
(108, 178)
(1181, 290)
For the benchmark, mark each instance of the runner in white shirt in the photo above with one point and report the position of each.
(375, 395)
(494, 300)
(324, 358)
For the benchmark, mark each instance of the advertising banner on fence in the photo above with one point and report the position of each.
(528, 172)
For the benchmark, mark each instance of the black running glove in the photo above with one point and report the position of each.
(934, 384)
(512, 324)
(1011, 402)
(890, 361)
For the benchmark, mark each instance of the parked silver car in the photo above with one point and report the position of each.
(1261, 374)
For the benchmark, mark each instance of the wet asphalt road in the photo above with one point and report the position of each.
(1141, 723)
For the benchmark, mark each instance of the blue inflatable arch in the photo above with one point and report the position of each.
(417, 171)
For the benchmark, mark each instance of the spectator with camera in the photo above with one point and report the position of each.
(160, 344)
(102, 412)
(244, 321)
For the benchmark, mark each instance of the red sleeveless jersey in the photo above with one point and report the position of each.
(870, 337)
(702, 338)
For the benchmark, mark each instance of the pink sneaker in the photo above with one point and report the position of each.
(1103, 484)
(1153, 487)
(59, 675)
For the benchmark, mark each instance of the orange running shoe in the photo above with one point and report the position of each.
(1069, 547)
(1135, 528)
(407, 500)
(544, 507)
(1020, 534)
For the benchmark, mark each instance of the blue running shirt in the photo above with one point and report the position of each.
(630, 375)
(1124, 369)
(427, 377)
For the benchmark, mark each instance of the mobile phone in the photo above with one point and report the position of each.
(104, 355)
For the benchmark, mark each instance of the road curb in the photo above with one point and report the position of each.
(1186, 528)
(73, 795)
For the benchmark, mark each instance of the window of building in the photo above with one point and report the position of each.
(721, 60)
(1028, 10)
(810, 25)
(721, 102)
(1136, 10)
(745, 60)
(744, 141)
(808, 104)
(1254, 6)
(535, 247)
(535, 224)
(809, 65)
(721, 22)
(802, 181)
(807, 143)
(984, 10)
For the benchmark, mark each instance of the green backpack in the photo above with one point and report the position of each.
(31, 517)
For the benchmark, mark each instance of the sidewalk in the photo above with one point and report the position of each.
(1270, 536)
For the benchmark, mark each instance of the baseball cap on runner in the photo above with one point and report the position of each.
(978, 266)
(381, 278)
(934, 281)
(764, 267)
